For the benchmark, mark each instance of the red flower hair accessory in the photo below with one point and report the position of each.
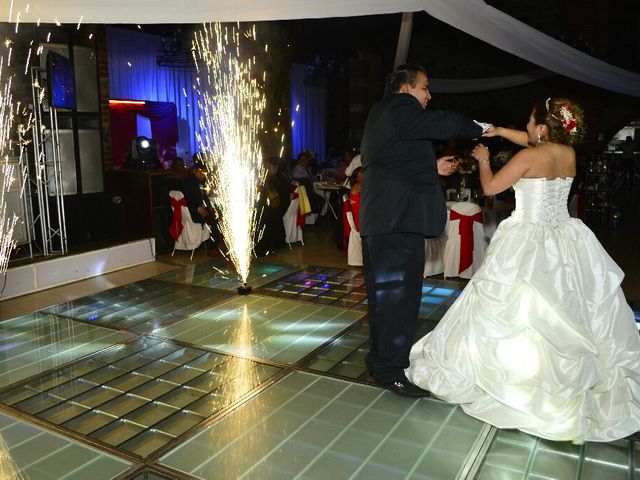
(567, 120)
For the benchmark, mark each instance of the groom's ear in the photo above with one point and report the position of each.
(405, 88)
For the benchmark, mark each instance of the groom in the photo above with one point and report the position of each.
(402, 203)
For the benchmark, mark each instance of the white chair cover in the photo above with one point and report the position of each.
(354, 246)
(433, 255)
(290, 219)
(193, 234)
(453, 242)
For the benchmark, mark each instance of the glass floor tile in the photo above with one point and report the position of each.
(141, 306)
(516, 455)
(263, 327)
(34, 343)
(345, 288)
(218, 273)
(149, 475)
(40, 455)
(140, 396)
(345, 356)
(311, 427)
(327, 286)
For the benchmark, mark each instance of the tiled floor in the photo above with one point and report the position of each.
(173, 375)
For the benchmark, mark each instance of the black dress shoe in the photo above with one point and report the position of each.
(404, 388)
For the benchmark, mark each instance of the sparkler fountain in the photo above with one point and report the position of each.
(232, 103)
(8, 220)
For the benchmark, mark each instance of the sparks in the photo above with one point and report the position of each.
(8, 469)
(8, 219)
(232, 103)
(79, 22)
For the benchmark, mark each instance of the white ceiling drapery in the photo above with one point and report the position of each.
(474, 17)
(472, 85)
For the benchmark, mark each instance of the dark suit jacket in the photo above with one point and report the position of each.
(401, 192)
(195, 197)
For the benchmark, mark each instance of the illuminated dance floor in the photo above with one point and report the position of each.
(179, 377)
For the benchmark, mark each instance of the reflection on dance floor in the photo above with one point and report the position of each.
(179, 377)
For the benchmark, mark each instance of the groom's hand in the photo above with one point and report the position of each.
(446, 165)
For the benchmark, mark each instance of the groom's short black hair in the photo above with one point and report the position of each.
(405, 73)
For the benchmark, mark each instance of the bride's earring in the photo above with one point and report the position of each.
(539, 138)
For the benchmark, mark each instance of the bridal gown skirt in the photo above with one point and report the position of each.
(541, 339)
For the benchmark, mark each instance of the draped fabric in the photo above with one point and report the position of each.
(496, 28)
(135, 75)
(474, 17)
(164, 126)
(471, 85)
(308, 113)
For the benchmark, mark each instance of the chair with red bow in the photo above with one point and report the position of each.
(464, 250)
(351, 235)
(292, 219)
(188, 235)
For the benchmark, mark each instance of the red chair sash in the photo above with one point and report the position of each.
(465, 229)
(175, 229)
(299, 216)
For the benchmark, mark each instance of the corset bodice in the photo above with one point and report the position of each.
(542, 200)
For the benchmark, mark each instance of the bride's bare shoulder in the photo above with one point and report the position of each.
(552, 160)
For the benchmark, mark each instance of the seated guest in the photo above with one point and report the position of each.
(178, 166)
(199, 204)
(274, 202)
(302, 168)
(302, 174)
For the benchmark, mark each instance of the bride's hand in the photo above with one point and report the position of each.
(481, 153)
(446, 165)
(492, 131)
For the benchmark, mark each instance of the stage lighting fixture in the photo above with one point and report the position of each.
(143, 154)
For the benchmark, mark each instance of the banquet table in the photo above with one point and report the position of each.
(325, 189)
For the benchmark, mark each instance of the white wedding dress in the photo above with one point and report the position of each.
(541, 339)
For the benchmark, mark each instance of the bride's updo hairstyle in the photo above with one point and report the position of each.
(564, 118)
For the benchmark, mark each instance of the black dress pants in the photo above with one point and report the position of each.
(393, 269)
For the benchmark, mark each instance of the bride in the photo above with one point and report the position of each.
(541, 338)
